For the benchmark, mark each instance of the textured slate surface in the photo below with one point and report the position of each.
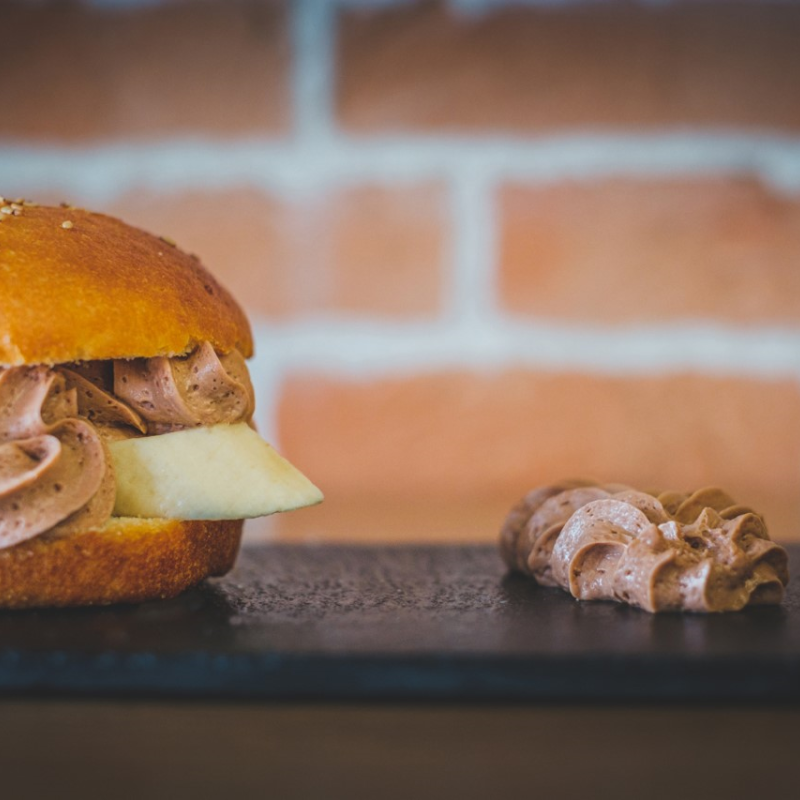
(330, 622)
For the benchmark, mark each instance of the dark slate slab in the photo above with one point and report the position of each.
(443, 623)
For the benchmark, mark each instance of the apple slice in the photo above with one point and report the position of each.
(221, 472)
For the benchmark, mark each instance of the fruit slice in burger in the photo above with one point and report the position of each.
(128, 459)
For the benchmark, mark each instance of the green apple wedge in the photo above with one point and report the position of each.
(220, 472)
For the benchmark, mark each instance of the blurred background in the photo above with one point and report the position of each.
(483, 244)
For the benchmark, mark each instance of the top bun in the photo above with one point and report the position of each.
(80, 286)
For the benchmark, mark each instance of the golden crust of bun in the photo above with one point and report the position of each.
(127, 561)
(75, 286)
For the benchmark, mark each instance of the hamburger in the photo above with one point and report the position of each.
(128, 455)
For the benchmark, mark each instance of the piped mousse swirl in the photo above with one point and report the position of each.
(203, 388)
(56, 473)
(660, 551)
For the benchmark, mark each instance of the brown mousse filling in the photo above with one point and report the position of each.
(661, 552)
(56, 474)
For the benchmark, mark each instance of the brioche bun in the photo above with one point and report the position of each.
(126, 561)
(81, 286)
(99, 289)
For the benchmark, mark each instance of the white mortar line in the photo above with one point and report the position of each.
(472, 291)
(266, 373)
(379, 349)
(312, 77)
(101, 172)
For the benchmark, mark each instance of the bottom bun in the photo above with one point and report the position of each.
(126, 561)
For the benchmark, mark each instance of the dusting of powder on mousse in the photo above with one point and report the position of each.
(659, 551)
(56, 473)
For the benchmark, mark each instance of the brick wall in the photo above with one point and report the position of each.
(484, 244)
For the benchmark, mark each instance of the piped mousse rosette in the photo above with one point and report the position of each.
(128, 454)
(659, 551)
(57, 426)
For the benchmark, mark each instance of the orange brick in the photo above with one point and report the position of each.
(76, 72)
(651, 251)
(356, 518)
(480, 441)
(367, 250)
(422, 66)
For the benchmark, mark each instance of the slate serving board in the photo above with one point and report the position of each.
(395, 623)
